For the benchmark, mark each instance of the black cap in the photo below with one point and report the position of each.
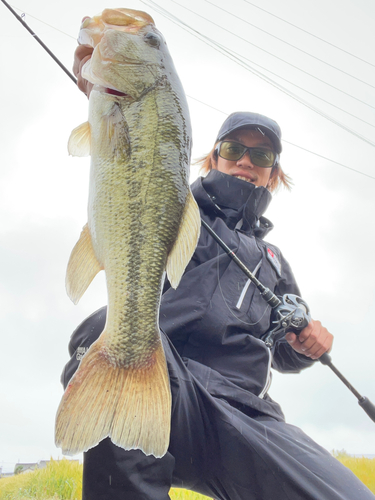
(244, 119)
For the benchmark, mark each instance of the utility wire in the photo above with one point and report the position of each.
(238, 58)
(296, 67)
(269, 53)
(291, 143)
(293, 95)
(309, 33)
(333, 161)
(302, 71)
(262, 67)
(201, 102)
(216, 46)
(307, 91)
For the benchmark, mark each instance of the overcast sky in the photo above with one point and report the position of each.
(324, 227)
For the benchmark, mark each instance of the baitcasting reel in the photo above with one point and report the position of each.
(292, 315)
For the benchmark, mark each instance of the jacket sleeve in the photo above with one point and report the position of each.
(285, 358)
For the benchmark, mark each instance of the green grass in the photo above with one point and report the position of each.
(62, 480)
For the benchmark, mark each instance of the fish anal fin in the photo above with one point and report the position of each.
(83, 266)
(79, 143)
(186, 241)
(132, 406)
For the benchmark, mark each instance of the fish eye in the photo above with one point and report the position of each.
(152, 39)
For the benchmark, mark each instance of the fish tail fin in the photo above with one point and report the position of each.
(132, 406)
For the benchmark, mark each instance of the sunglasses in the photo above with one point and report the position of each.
(234, 151)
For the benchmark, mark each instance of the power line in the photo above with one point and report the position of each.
(309, 33)
(329, 159)
(223, 50)
(307, 91)
(311, 75)
(299, 69)
(201, 102)
(291, 143)
(270, 53)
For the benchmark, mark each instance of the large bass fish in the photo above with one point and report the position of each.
(142, 221)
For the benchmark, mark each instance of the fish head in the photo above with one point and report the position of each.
(130, 55)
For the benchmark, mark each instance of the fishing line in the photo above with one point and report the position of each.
(221, 49)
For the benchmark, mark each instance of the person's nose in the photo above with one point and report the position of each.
(245, 161)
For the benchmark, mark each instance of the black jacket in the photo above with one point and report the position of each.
(216, 316)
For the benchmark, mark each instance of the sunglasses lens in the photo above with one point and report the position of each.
(262, 157)
(231, 150)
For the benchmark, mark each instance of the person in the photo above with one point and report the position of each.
(229, 439)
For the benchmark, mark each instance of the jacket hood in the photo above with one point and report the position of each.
(239, 203)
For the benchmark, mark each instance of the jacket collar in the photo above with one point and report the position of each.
(233, 200)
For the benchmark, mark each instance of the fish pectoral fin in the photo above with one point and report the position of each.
(130, 405)
(83, 266)
(79, 143)
(187, 239)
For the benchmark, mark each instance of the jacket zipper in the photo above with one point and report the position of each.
(247, 284)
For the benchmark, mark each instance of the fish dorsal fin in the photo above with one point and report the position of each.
(83, 266)
(183, 249)
(79, 143)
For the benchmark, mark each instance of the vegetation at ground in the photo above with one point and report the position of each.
(62, 480)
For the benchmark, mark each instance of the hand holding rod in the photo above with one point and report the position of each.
(275, 302)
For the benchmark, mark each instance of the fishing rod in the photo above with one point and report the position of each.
(24, 24)
(292, 313)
